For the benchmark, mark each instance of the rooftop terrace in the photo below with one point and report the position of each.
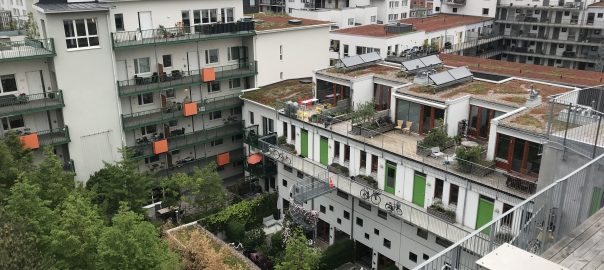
(380, 71)
(289, 90)
(272, 21)
(443, 21)
(369, 30)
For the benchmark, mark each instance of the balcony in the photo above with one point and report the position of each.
(184, 34)
(145, 150)
(156, 82)
(455, 2)
(164, 115)
(26, 49)
(188, 165)
(54, 137)
(26, 104)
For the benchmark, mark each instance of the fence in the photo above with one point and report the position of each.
(26, 48)
(533, 225)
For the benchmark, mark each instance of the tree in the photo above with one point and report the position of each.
(206, 190)
(31, 27)
(50, 177)
(120, 182)
(14, 160)
(133, 243)
(298, 255)
(74, 239)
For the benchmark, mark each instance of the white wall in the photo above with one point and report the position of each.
(473, 8)
(457, 110)
(404, 41)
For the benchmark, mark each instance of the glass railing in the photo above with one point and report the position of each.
(24, 104)
(28, 48)
(55, 136)
(181, 34)
(177, 78)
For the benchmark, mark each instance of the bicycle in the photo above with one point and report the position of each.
(374, 197)
(394, 207)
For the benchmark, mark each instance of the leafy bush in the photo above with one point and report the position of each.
(440, 208)
(254, 238)
(370, 180)
(281, 140)
(337, 254)
(339, 168)
(235, 230)
(437, 137)
(248, 212)
(471, 154)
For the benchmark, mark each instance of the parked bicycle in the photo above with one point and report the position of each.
(373, 196)
(279, 155)
(394, 207)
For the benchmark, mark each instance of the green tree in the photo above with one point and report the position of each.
(120, 182)
(8, 168)
(133, 243)
(298, 255)
(50, 177)
(19, 248)
(74, 239)
(205, 191)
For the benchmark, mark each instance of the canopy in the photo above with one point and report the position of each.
(254, 159)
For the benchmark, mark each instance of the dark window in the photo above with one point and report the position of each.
(454, 10)
(342, 194)
(215, 115)
(300, 174)
(566, 13)
(331, 208)
(382, 214)
(453, 194)
(438, 189)
(485, 11)
(119, 22)
(360, 221)
(322, 209)
(251, 117)
(443, 242)
(600, 15)
(365, 205)
(167, 60)
(422, 233)
(284, 182)
(507, 220)
(284, 130)
(214, 86)
(425, 257)
(387, 243)
(271, 181)
(8, 83)
(293, 132)
(437, 9)
(412, 257)
(288, 168)
(339, 221)
(367, 236)
(346, 215)
(376, 231)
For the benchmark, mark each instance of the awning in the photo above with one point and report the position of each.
(254, 159)
(223, 159)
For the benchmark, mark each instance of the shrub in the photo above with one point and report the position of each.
(341, 169)
(248, 212)
(281, 140)
(370, 180)
(440, 208)
(471, 154)
(436, 137)
(254, 238)
(337, 254)
(235, 231)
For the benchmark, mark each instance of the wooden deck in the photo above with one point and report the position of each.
(583, 248)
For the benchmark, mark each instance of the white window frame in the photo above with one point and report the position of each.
(212, 117)
(224, 16)
(2, 87)
(209, 60)
(87, 36)
(232, 83)
(141, 99)
(137, 65)
(145, 131)
(6, 120)
(211, 88)
(230, 53)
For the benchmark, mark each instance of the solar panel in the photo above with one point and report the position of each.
(352, 61)
(441, 78)
(460, 73)
(412, 65)
(370, 57)
(431, 60)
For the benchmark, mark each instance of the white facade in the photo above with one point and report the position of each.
(469, 7)
(341, 18)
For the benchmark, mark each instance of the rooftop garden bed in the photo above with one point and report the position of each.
(373, 69)
(289, 90)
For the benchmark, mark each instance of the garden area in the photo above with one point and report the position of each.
(369, 123)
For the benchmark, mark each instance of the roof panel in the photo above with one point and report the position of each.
(431, 60)
(441, 78)
(460, 73)
(352, 61)
(412, 65)
(370, 57)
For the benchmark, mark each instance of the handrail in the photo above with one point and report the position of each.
(15, 104)
(26, 48)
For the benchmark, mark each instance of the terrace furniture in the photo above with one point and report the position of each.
(399, 125)
(435, 152)
(407, 128)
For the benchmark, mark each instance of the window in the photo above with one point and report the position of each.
(211, 56)
(237, 137)
(404, 15)
(600, 15)
(438, 189)
(215, 115)
(284, 130)
(453, 194)
(322, 208)
(145, 99)
(8, 83)
(300, 174)
(360, 221)
(167, 60)
(437, 9)
(346, 215)
(412, 257)
(13, 122)
(339, 221)
(351, 21)
(365, 205)
(281, 52)
(425, 257)
(443, 242)
(213, 86)
(119, 22)
(392, 17)
(288, 168)
(331, 208)
(342, 194)
(151, 159)
(387, 243)
(422, 233)
(227, 15)
(217, 142)
(382, 214)
(234, 53)
(148, 130)
(236, 111)
(251, 117)
(376, 231)
(81, 33)
(293, 133)
(373, 19)
(563, 29)
(485, 11)
(345, 50)
(267, 125)
(205, 16)
(454, 10)
(170, 93)
(284, 182)
(367, 236)
(281, 75)
(142, 65)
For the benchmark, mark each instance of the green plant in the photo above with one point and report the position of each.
(235, 230)
(337, 254)
(341, 169)
(281, 140)
(471, 154)
(162, 31)
(31, 27)
(440, 208)
(254, 238)
(364, 112)
(248, 212)
(370, 180)
(437, 137)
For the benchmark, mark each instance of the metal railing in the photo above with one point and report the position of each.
(575, 121)
(159, 82)
(165, 35)
(533, 225)
(12, 23)
(23, 104)
(189, 167)
(55, 136)
(28, 48)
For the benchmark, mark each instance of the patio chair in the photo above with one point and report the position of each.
(399, 125)
(407, 127)
(435, 152)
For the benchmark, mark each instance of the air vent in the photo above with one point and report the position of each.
(295, 22)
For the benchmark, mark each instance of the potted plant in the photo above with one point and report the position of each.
(367, 179)
(438, 210)
(339, 169)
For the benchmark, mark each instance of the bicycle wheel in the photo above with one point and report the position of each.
(364, 194)
(376, 199)
(389, 207)
(399, 211)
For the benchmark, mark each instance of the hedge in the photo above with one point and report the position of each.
(337, 254)
(247, 212)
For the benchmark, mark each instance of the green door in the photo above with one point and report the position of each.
(596, 200)
(304, 143)
(485, 214)
(324, 146)
(390, 180)
(419, 189)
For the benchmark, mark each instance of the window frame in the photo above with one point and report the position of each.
(115, 21)
(7, 77)
(76, 37)
(209, 58)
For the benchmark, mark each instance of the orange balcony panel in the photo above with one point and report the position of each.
(160, 146)
(208, 74)
(223, 159)
(190, 109)
(30, 141)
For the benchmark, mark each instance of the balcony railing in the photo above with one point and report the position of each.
(455, 2)
(145, 150)
(190, 165)
(182, 34)
(160, 82)
(25, 104)
(12, 23)
(163, 115)
(55, 136)
(26, 49)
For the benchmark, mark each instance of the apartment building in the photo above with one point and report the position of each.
(17, 8)
(380, 186)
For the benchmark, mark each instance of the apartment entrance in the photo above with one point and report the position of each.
(322, 231)
(363, 254)
(485, 213)
(384, 262)
(597, 200)
(390, 179)
(304, 143)
(419, 189)
(145, 24)
(323, 151)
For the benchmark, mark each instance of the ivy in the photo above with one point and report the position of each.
(248, 212)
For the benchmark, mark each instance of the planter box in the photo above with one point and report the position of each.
(441, 215)
(337, 170)
(372, 133)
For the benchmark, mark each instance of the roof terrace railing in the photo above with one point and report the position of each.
(24, 104)
(533, 225)
(26, 49)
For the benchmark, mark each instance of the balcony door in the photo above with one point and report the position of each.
(390, 181)
(145, 24)
(35, 84)
(192, 61)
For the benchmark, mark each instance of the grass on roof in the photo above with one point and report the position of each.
(528, 120)
(289, 90)
(374, 69)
